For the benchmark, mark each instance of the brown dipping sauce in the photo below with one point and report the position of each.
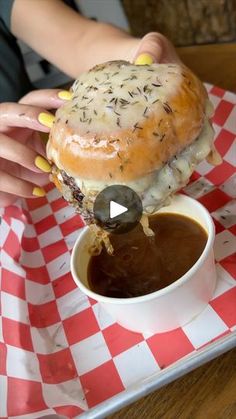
(140, 264)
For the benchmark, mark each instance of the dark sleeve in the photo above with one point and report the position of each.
(14, 81)
(5, 12)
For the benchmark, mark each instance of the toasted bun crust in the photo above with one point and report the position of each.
(125, 121)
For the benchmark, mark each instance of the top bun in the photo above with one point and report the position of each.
(125, 121)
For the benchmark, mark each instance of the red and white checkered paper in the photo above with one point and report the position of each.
(60, 352)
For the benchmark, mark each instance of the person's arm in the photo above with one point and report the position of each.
(65, 38)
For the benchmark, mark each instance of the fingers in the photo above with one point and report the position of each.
(144, 59)
(17, 152)
(39, 179)
(30, 112)
(14, 169)
(38, 143)
(47, 98)
(23, 116)
(155, 47)
(27, 164)
(150, 46)
(7, 199)
(19, 187)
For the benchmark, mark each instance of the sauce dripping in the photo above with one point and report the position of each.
(141, 265)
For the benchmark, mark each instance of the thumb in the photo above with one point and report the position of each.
(155, 47)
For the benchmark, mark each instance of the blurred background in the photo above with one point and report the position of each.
(204, 31)
(185, 22)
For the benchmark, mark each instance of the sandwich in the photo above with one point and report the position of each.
(146, 127)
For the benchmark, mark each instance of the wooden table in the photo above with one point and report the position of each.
(214, 63)
(209, 392)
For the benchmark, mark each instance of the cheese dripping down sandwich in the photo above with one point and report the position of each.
(146, 127)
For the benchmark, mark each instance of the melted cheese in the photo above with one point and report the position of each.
(177, 172)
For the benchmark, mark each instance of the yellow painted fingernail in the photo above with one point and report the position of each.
(144, 59)
(42, 164)
(38, 191)
(65, 95)
(46, 119)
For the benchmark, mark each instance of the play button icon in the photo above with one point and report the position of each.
(117, 209)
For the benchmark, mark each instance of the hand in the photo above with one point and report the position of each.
(23, 166)
(155, 47)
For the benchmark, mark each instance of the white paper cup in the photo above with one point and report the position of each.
(170, 307)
